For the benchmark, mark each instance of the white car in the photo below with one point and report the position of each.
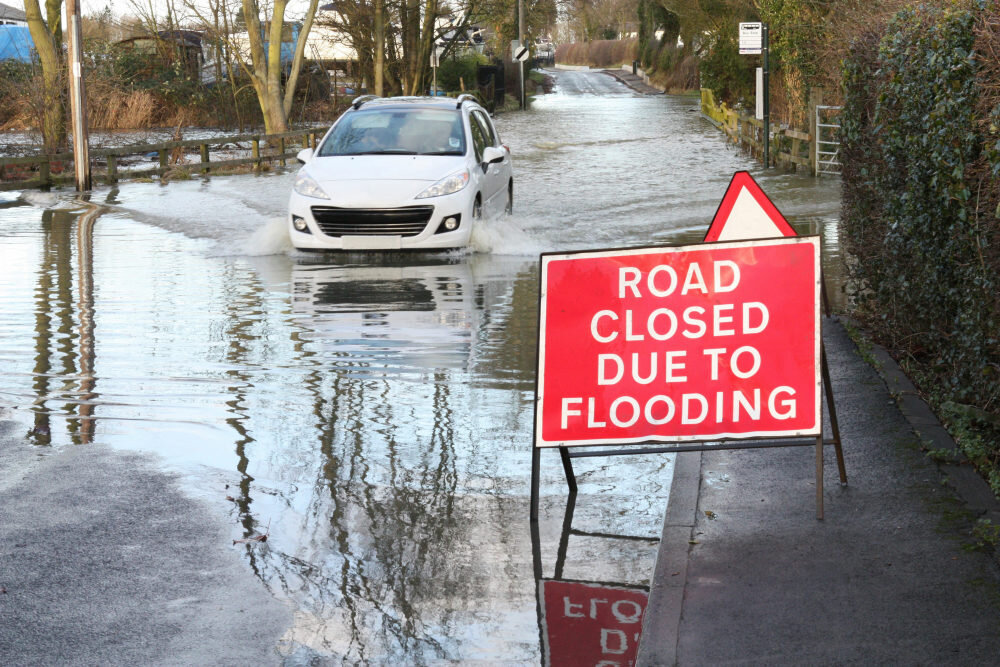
(401, 173)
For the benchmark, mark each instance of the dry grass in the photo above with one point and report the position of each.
(109, 108)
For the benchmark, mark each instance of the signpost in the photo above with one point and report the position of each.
(754, 41)
(686, 348)
(673, 344)
(751, 38)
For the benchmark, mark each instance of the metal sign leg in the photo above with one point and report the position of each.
(535, 465)
(819, 477)
(568, 469)
(832, 407)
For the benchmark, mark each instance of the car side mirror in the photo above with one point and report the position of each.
(493, 155)
(304, 155)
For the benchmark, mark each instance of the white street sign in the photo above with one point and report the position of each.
(751, 38)
(521, 53)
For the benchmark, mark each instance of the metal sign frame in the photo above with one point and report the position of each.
(569, 452)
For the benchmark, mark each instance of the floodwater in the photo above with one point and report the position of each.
(372, 415)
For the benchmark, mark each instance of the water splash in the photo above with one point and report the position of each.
(504, 236)
(271, 238)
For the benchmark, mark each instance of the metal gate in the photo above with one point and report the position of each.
(827, 140)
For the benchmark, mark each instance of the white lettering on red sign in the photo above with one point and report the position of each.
(690, 343)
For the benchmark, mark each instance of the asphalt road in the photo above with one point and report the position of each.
(585, 82)
(104, 561)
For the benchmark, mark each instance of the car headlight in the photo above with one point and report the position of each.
(447, 185)
(306, 186)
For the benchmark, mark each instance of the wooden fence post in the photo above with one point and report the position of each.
(204, 158)
(112, 168)
(255, 153)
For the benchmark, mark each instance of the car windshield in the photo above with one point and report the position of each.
(397, 132)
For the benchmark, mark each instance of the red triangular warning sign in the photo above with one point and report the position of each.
(747, 213)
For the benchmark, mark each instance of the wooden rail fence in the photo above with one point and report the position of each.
(789, 147)
(36, 171)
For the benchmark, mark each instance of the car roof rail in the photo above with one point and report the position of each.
(465, 97)
(358, 101)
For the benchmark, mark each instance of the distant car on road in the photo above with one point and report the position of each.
(401, 173)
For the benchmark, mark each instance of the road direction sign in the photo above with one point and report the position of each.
(746, 213)
(670, 344)
(751, 38)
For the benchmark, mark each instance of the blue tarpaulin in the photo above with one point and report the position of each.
(15, 43)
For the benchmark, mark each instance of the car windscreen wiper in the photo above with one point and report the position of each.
(442, 153)
(389, 151)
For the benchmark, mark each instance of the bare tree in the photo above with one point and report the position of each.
(265, 66)
(47, 36)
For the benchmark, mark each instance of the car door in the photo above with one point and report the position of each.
(496, 175)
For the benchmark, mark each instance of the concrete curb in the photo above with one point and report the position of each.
(666, 594)
(968, 484)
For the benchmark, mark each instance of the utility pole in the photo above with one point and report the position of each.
(78, 98)
(520, 40)
(767, 99)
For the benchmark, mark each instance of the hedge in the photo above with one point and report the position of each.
(921, 162)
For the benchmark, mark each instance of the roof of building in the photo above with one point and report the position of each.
(8, 12)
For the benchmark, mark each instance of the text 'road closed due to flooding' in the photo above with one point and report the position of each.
(687, 343)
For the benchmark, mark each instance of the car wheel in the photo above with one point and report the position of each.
(510, 199)
(477, 209)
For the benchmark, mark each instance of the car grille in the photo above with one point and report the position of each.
(406, 221)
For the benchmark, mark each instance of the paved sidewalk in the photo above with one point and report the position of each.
(747, 575)
(634, 82)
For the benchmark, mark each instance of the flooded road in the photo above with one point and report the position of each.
(371, 415)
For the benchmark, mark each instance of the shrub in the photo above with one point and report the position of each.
(920, 151)
(453, 72)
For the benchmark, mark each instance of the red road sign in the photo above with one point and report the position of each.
(746, 213)
(590, 624)
(697, 342)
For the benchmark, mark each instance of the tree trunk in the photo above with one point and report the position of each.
(275, 104)
(379, 47)
(298, 59)
(421, 62)
(50, 56)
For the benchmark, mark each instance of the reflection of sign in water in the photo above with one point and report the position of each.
(591, 624)
(684, 343)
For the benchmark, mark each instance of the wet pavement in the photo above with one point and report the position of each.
(894, 574)
(370, 415)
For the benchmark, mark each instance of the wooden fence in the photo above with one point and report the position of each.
(789, 147)
(17, 173)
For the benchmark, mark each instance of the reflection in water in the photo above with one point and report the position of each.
(388, 570)
(584, 622)
(64, 329)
